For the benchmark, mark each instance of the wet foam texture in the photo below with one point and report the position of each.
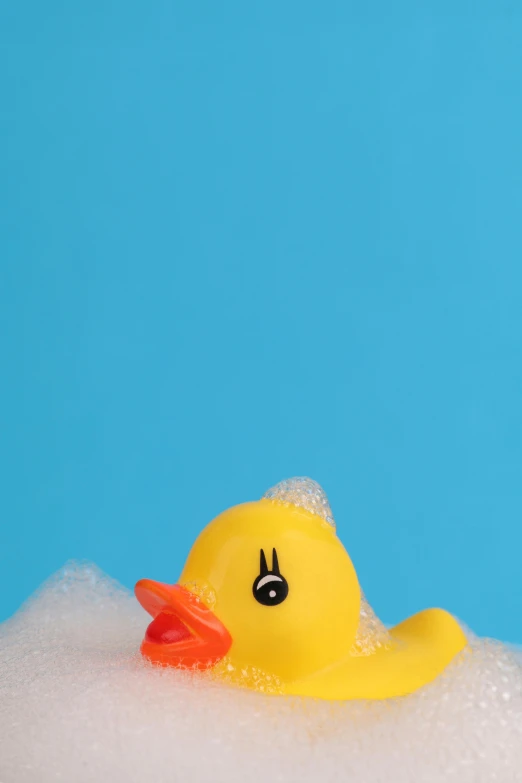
(78, 704)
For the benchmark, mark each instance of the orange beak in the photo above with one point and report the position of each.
(184, 632)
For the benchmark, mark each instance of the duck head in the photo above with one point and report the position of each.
(267, 584)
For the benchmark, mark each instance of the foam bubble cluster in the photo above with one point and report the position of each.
(304, 493)
(78, 704)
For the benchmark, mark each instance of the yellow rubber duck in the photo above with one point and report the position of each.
(269, 592)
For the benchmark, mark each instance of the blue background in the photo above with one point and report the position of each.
(246, 241)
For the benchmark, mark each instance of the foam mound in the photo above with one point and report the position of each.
(78, 704)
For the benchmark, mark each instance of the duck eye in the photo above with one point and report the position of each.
(270, 587)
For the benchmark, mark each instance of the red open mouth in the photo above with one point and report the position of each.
(184, 632)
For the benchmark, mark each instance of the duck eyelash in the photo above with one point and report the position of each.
(263, 567)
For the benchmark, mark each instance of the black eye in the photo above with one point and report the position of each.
(270, 587)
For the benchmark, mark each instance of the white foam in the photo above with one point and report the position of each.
(78, 704)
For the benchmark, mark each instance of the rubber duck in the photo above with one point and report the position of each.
(269, 592)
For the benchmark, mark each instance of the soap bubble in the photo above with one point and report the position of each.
(304, 493)
(78, 704)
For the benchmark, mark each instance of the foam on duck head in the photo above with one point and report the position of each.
(302, 492)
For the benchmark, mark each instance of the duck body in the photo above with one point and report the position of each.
(268, 587)
(421, 647)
